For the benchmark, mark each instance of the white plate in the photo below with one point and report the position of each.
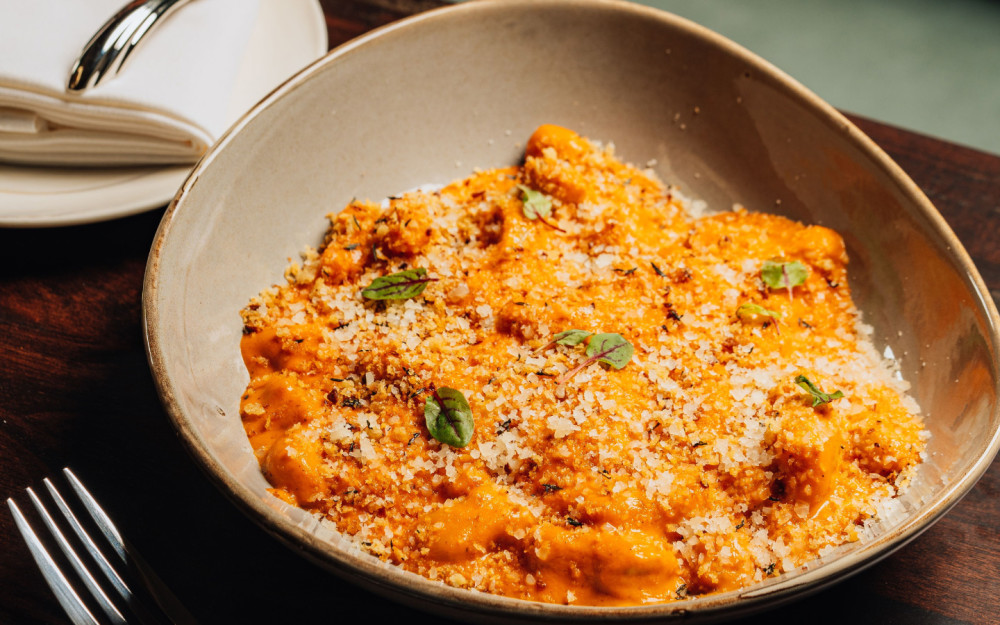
(288, 35)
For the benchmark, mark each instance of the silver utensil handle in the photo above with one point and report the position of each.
(106, 53)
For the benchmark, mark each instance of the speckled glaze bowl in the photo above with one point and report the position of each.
(428, 99)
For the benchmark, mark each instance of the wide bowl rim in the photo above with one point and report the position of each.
(414, 589)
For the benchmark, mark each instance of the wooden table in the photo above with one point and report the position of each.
(75, 390)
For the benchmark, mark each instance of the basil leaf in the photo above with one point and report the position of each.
(402, 285)
(611, 349)
(449, 417)
(571, 337)
(535, 203)
(783, 275)
(819, 397)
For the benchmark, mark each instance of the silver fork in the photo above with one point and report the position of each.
(124, 589)
(105, 54)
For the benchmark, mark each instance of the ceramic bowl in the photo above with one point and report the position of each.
(428, 99)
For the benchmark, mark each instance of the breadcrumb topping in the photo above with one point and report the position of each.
(698, 467)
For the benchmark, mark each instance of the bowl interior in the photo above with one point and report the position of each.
(431, 98)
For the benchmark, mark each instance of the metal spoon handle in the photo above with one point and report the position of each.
(105, 54)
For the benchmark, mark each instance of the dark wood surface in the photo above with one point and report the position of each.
(75, 390)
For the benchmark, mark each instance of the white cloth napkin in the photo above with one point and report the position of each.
(168, 104)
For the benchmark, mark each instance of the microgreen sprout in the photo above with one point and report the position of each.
(754, 310)
(819, 397)
(778, 275)
(449, 417)
(537, 205)
(609, 348)
(568, 337)
(401, 285)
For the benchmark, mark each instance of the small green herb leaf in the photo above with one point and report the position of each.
(449, 417)
(567, 337)
(612, 349)
(571, 337)
(402, 285)
(754, 309)
(819, 397)
(535, 203)
(608, 348)
(783, 275)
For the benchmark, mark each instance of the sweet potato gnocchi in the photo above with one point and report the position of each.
(556, 382)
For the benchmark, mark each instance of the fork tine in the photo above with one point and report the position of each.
(163, 605)
(67, 597)
(95, 553)
(141, 592)
(81, 570)
(97, 513)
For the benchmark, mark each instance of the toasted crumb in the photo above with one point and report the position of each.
(699, 466)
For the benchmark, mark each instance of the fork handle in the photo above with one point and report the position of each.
(106, 53)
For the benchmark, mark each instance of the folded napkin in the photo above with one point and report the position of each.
(168, 104)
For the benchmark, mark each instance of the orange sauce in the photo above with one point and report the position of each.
(698, 467)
